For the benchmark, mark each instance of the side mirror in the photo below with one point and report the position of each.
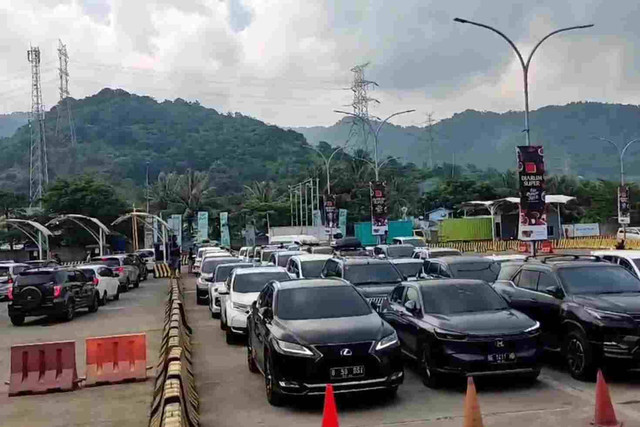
(266, 313)
(411, 306)
(555, 292)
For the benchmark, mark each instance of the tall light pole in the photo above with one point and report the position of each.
(327, 162)
(525, 64)
(375, 132)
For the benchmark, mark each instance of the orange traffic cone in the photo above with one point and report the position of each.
(605, 416)
(330, 413)
(472, 415)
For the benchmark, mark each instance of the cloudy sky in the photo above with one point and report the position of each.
(287, 62)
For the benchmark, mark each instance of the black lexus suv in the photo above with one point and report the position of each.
(589, 309)
(52, 292)
(375, 278)
(304, 334)
(460, 327)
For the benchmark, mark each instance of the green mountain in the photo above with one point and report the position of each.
(488, 140)
(9, 123)
(118, 133)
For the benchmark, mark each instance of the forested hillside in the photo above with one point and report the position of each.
(487, 139)
(9, 123)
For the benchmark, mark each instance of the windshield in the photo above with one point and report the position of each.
(245, 283)
(4, 271)
(109, 262)
(400, 251)
(370, 274)
(88, 272)
(410, 269)
(487, 271)
(209, 265)
(35, 278)
(418, 243)
(312, 269)
(598, 280)
(223, 271)
(282, 259)
(266, 253)
(461, 298)
(320, 303)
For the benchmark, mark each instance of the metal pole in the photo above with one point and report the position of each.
(164, 244)
(291, 205)
(39, 245)
(46, 239)
(300, 188)
(148, 192)
(559, 223)
(318, 193)
(328, 179)
(101, 244)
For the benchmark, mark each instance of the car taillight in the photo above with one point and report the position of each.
(119, 270)
(10, 294)
(10, 281)
(57, 290)
(95, 281)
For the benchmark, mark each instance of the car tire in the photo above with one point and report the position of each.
(251, 362)
(530, 378)
(117, 295)
(223, 325)
(390, 393)
(126, 285)
(229, 336)
(274, 397)
(17, 320)
(578, 354)
(430, 377)
(69, 311)
(103, 300)
(136, 284)
(95, 302)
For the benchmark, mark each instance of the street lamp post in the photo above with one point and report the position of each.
(327, 162)
(375, 133)
(523, 63)
(621, 156)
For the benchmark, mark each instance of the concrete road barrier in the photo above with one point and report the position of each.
(116, 359)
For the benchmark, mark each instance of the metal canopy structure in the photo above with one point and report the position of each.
(22, 224)
(493, 206)
(165, 226)
(99, 236)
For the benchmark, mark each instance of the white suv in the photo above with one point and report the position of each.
(104, 279)
(240, 291)
(221, 274)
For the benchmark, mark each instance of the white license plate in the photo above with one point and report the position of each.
(347, 372)
(502, 358)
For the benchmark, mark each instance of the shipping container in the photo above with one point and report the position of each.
(362, 231)
(470, 228)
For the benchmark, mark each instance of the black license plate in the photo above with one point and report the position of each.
(502, 358)
(347, 372)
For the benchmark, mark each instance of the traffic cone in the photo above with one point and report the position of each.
(605, 416)
(472, 415)
(330, 413)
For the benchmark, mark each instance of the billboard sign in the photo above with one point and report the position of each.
(175, 222)
(225, 238)
(533, 209)
(379, 209)
(203, 226)
(342, 221)
(330, 211)
(624, 211)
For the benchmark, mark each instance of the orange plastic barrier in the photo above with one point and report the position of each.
(116, 359)
(41, 368)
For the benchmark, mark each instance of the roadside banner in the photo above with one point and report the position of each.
(225, 239)
(250, 235)
(624, 213)
(379, 209)
(330, 211)
(317, 218)
(203, 226)
(175, 222)
(342, 221)
(533, 210)
(580, 230)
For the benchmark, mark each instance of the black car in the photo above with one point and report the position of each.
(207, 270)
(142, 266)
(464, 328)
(304, 334)
(374, 277)
(462, 267)
(53, 292)
(589, 309)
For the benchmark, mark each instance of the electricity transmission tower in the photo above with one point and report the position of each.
(38, 170)
(361, 99)
(430, 139)
(63, 71)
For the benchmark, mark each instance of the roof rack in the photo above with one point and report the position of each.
(573, 257)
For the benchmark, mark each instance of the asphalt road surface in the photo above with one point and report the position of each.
(139, 310)
(232, 396)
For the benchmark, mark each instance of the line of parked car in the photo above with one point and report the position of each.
(45, 288)
(346, 318)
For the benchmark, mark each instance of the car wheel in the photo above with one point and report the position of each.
(430, 377)
(391, 393)
(103, 300)
(251, 362)
(274, 397)
(93, 307)
(579, 356)
(229, 336)
(69, 311)
(17, 320)
(136, 284)
(198, 299)
(223, 325)
(117, 296)
(127, 284)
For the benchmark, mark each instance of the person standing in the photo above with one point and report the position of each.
(174, 256)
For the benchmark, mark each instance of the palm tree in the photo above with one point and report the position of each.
(191, 189)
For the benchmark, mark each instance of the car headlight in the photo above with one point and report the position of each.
(449, 335)
(607, 315)
(239, 306)
(534, 329)
(292, 349)
(388, 341)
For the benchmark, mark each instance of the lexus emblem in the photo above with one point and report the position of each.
(346, 352)
(499, 344)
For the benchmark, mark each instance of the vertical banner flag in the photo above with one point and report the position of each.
(330, 211)
(176, 226)
(225, 239)
(317, 218)
(203, 226)
(624, 213)
(533, 209)
(379, 210)
(342, 221)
